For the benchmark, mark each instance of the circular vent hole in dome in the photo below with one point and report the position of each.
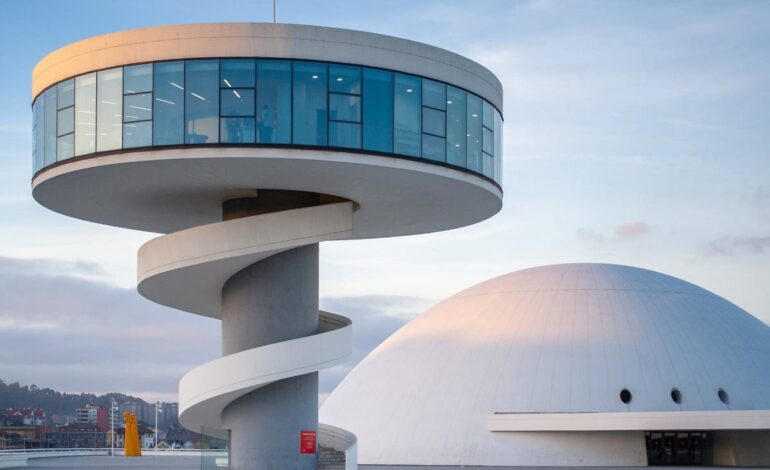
(625, 396)
(723, 396)
(676, 395)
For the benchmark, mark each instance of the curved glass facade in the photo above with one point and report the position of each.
(271, 102)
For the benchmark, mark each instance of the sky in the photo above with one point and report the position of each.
(635, 133)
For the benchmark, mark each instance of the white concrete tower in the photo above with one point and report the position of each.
(247, 145)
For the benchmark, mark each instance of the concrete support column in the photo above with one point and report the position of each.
(271, 301)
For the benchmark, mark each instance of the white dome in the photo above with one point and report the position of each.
(552, 339)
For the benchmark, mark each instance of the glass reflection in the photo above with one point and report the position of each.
(109, 109)
(237, 102)
(378, 110)
(236, 73)
(407, 115)
(137, 79)
(309, 103)
(85, 114)
(274, 101)
(66, 93)
(345, 79)
(456, 124)
(344, 134)
(201, 102)
(137, 134)
(473, 134)
(168, 123)
(235, 130)
(49, 128)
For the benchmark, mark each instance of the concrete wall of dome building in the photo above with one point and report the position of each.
(742, 448)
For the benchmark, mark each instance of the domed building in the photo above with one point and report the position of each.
(565, 365)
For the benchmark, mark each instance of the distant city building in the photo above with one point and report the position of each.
(93, 414)
(61, 420)
(25, 416)
(22, 437)
(78, 435)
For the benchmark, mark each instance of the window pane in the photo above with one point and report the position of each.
(488, 165)
(236, 130)
(473, 137)
(433, 148)
(137, 107)
(408, 107)
(39, 110)
(378, 110)
(274, 101)
(455, 132)
(66, 94)
(345, 134)
(433, 122)
(65, 121)
(85, 114)
(237, 102)
(498, 155)
(309, 103)
(487, 141)
(50, 126)
(168, 122)
(236, 73)
(344, 107)
(488, 116)
(65, 147)
(345, 79)
(433, 94)
(201, 102)
(137, 78)
(109, 109)
(137, 134)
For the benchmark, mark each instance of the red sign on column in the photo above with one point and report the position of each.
(307, 442)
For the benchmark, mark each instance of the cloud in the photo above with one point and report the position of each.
(631, 230)
(590, 235)
(731, 246)
(61, 330)
(374, 317)
(624, 231)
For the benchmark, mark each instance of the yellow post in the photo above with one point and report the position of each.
(132, 447)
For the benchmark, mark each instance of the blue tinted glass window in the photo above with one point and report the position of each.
(237, 102)
(137, 78)
(488, 115)
(433, 121)
(109, 109)
(344, 107)
(137, 107)
(66, 93)
(433, 148)
(487, 165)
(455, 131)
(487, 140)
(85, 114)
(274, 101)
(237, 130)
(378, 110)
(49, 145)
(344, 134)
(137, 134)
(168, 122)
(236, 73)
(201, 101)
(473, 139)
(65, 121)
(498, 155)
(39, 136)
(65, 147)
(433, 94)
(345, 79)
(407, 115)
(309, 103)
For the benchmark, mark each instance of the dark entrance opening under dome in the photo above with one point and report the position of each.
(679, 448)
